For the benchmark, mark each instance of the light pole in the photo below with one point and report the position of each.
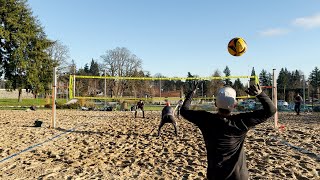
(160, 87)
(105, 87)
(304, 93)
(308, 92)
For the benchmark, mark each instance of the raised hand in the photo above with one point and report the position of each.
(196, 85)
(254, 90)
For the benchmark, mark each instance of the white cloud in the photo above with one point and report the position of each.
(308, 22)
(274, 32)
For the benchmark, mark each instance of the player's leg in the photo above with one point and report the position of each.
(162, 122)
(142, 112)
(174, 123)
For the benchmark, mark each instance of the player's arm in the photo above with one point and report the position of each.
(256, 117)
(193, 116)
(175, 109)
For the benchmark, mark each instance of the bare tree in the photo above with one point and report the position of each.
(59, 53)
(216, 84)
(120, 62)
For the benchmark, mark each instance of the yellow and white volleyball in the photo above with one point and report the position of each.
(237, 46)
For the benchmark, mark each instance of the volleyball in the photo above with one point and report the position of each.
(237, 46)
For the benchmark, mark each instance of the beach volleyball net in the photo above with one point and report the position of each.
(155, 90)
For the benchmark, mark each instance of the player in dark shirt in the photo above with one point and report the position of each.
(167, 117)
(140, 105)
(224, 133)
(297, 103)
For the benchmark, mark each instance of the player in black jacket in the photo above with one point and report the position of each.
(140, 105)
(224, 133)
(167, 117)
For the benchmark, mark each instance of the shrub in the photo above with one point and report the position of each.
(64, 106)
(73, 106)
(59, 105)
(48, 106)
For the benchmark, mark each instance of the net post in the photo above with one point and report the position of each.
(71, 88)
(275, 98)
(54, 95)
(105, 87)
(304, 93)
(74, 85)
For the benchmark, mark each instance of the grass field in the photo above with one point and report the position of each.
(27, 102)
(13, 104)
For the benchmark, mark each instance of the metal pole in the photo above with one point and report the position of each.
(274, 98)
(308, 91)
(74, 85)
(105, 87)
(67, 93)
(160, 87)
(304, 93)
(202, 90)
(54, 95)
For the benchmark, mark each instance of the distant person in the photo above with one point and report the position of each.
(297, 103)
(140, 105)
(179, 105)
(167, 117)
(224, 133)
(33, 108)
(133, 107)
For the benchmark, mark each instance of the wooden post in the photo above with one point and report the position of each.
(304, 94)
(54, 95)
(105, 87)
(274, 98)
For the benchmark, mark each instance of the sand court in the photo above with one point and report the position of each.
(115, 145)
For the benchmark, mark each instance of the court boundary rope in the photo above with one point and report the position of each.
(38, 144)
(297, 148)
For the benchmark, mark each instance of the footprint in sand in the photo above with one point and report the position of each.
(298, 132)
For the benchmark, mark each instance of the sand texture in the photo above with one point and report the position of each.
(115, 145)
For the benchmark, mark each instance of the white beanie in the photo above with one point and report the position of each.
(226, 98)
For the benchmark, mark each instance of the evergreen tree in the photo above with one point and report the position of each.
(314, 79)
(23, 44)
(86, 69)
(296, 81)
(283, 83)
(253, 73)
(265, 79)
(238, 86)
(94, 68)
(227, 72)
(40, 69)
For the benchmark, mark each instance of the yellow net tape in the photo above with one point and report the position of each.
(73, 77)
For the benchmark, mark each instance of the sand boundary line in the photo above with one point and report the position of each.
(39, 144)
(297, 148)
